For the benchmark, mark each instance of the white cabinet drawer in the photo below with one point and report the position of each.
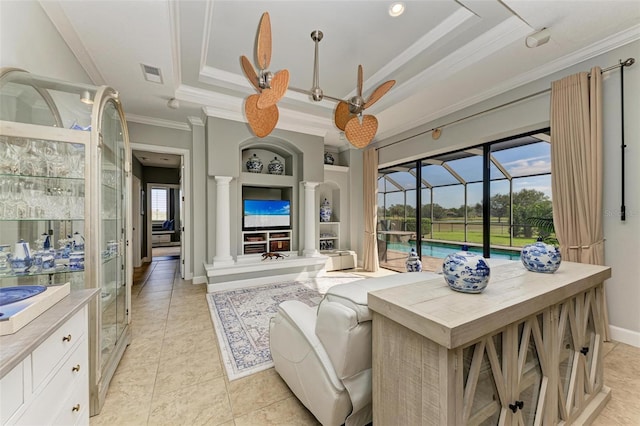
(75, 409)
(52, 350)
(12, 391)
(71, 378)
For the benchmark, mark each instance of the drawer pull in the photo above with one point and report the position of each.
(76, 407)
(66, 338)
(76, 368)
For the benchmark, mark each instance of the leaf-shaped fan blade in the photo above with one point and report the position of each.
(379, 92)
(279, 85)
(250, 72)
(263, 47)
(359, 80)
(342, 115)
(261, 121)
(361, 135)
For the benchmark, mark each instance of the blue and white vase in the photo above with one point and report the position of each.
(77, 242)
(328, 158)
(325, 211)
(21, 259)
(275, 167)
(76, 261)
(413, 263)
(254, 164)
(541, 257)
(466, 272)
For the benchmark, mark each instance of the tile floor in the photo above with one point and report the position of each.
(172, 374)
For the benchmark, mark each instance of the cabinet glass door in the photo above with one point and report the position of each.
(42, 189)
(112, 230)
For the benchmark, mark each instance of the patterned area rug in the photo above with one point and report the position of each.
(241, 319)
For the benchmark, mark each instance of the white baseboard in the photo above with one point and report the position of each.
(200, 280)
(624, 335)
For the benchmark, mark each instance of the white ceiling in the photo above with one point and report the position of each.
(445, 55)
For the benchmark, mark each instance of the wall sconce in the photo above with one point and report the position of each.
(538, 38)
(85, 97)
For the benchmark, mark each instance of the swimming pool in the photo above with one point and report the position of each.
(441, 250)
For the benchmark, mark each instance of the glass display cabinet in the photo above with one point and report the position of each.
(64, 203)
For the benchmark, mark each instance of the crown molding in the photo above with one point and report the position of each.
(603, 46)
(447, 26)
(231, 108)
(195, 121)
(152, 121)
(208, 21)
(507, 32)
(174, 35)
(60, 20)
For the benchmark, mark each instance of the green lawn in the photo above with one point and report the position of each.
(476, 237)
(455, 232)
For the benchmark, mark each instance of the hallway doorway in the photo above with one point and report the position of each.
(151, 169)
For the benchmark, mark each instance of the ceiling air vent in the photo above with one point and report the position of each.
(152, 74)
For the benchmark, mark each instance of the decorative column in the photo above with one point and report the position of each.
(310, 216)
(223, 223)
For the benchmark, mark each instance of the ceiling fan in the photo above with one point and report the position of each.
(262, 112)
(261, 109)
(358, 128)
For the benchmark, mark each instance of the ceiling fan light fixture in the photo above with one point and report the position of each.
(396, 9)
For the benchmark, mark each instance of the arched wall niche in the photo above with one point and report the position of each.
(270, 149)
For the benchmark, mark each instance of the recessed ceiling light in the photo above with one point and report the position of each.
(396, 9)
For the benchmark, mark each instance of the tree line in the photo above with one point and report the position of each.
(527, 203)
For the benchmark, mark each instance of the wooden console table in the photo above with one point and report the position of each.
(528, 350)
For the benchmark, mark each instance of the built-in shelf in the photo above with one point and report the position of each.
(335, 168)
(329, 236)
(258, 242)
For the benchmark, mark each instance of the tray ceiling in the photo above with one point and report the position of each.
(445, 55)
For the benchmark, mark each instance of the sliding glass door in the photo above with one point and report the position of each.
(458, 208)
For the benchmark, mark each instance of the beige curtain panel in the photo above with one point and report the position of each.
(370, 179)
(577, 171)
(576, 166)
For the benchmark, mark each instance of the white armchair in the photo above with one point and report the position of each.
(324, 353)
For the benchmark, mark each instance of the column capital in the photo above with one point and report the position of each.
(310, 185)
(223, 179)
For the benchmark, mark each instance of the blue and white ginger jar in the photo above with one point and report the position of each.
(541, 257)
(466, 272)
(254, 164)
(275, 167)
(325, 211)
(328, 158)
(413, 262)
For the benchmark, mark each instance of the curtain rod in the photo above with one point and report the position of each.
(626, 63)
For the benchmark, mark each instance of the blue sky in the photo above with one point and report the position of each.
(520, 162)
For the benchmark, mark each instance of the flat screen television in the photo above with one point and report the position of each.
(266, 214)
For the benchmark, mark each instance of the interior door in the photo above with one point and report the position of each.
(182, 213)
(137, 222)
